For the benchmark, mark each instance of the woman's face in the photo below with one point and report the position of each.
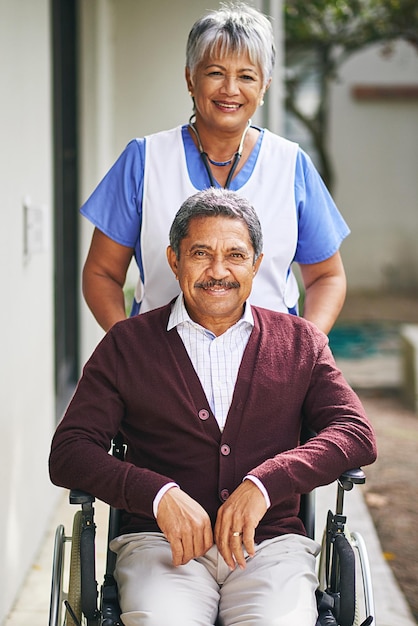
(226, 91)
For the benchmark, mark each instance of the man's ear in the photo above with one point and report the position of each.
(257, 264)
(172, 260)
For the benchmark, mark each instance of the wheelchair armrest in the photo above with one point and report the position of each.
(80, 497)
(352, 477)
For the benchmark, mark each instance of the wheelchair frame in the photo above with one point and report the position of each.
(343, 555)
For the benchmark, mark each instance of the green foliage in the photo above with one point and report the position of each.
(320, 35)
(128, 292)
(352, 24)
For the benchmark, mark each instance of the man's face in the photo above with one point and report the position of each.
(215, 270)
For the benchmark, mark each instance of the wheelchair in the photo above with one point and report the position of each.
(341, 599)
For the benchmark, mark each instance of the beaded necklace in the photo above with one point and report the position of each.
(206, 159)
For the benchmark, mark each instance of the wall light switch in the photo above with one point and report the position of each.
(34, 228)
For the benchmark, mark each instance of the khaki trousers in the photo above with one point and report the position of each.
(277, 587)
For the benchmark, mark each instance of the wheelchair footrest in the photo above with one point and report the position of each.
(110, 603)
(326, 619)
(326, 606)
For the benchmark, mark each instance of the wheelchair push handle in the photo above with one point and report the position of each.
(352, 477)
(80, 497)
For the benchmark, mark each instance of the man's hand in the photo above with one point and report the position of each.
(185, 524)
(236, 522)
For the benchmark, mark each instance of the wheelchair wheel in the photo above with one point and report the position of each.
(359, 546)
(57, 578)
(338, 579)
(73, 604)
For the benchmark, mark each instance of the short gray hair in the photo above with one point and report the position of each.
(234, 28)
(214, 202)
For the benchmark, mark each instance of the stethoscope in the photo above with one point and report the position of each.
(206, 160)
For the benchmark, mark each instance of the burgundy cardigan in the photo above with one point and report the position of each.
(140, 381)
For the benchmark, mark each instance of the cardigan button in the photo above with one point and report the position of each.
(225, 450)
(224, 494)
(203, 414)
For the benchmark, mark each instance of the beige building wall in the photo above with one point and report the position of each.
(374, 142)
(27, 414)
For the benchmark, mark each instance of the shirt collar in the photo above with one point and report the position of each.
(179, 315)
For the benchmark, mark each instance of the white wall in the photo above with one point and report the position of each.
(375, 149)
(26, 312)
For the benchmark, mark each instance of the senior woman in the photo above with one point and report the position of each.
(229, 63)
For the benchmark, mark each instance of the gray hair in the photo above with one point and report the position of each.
(233, 29)
(215, 202)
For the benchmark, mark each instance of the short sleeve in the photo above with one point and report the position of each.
(115, 206)
(321, 227)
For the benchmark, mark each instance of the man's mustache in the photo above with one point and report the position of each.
(226, 284)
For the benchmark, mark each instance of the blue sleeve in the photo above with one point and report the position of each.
(115, 206)
(321, 226)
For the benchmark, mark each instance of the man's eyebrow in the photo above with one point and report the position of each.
(199, 246)
(204, 246)
(238, 249)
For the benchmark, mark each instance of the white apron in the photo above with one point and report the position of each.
(270, 190)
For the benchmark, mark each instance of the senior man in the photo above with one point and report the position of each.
(210, 394)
